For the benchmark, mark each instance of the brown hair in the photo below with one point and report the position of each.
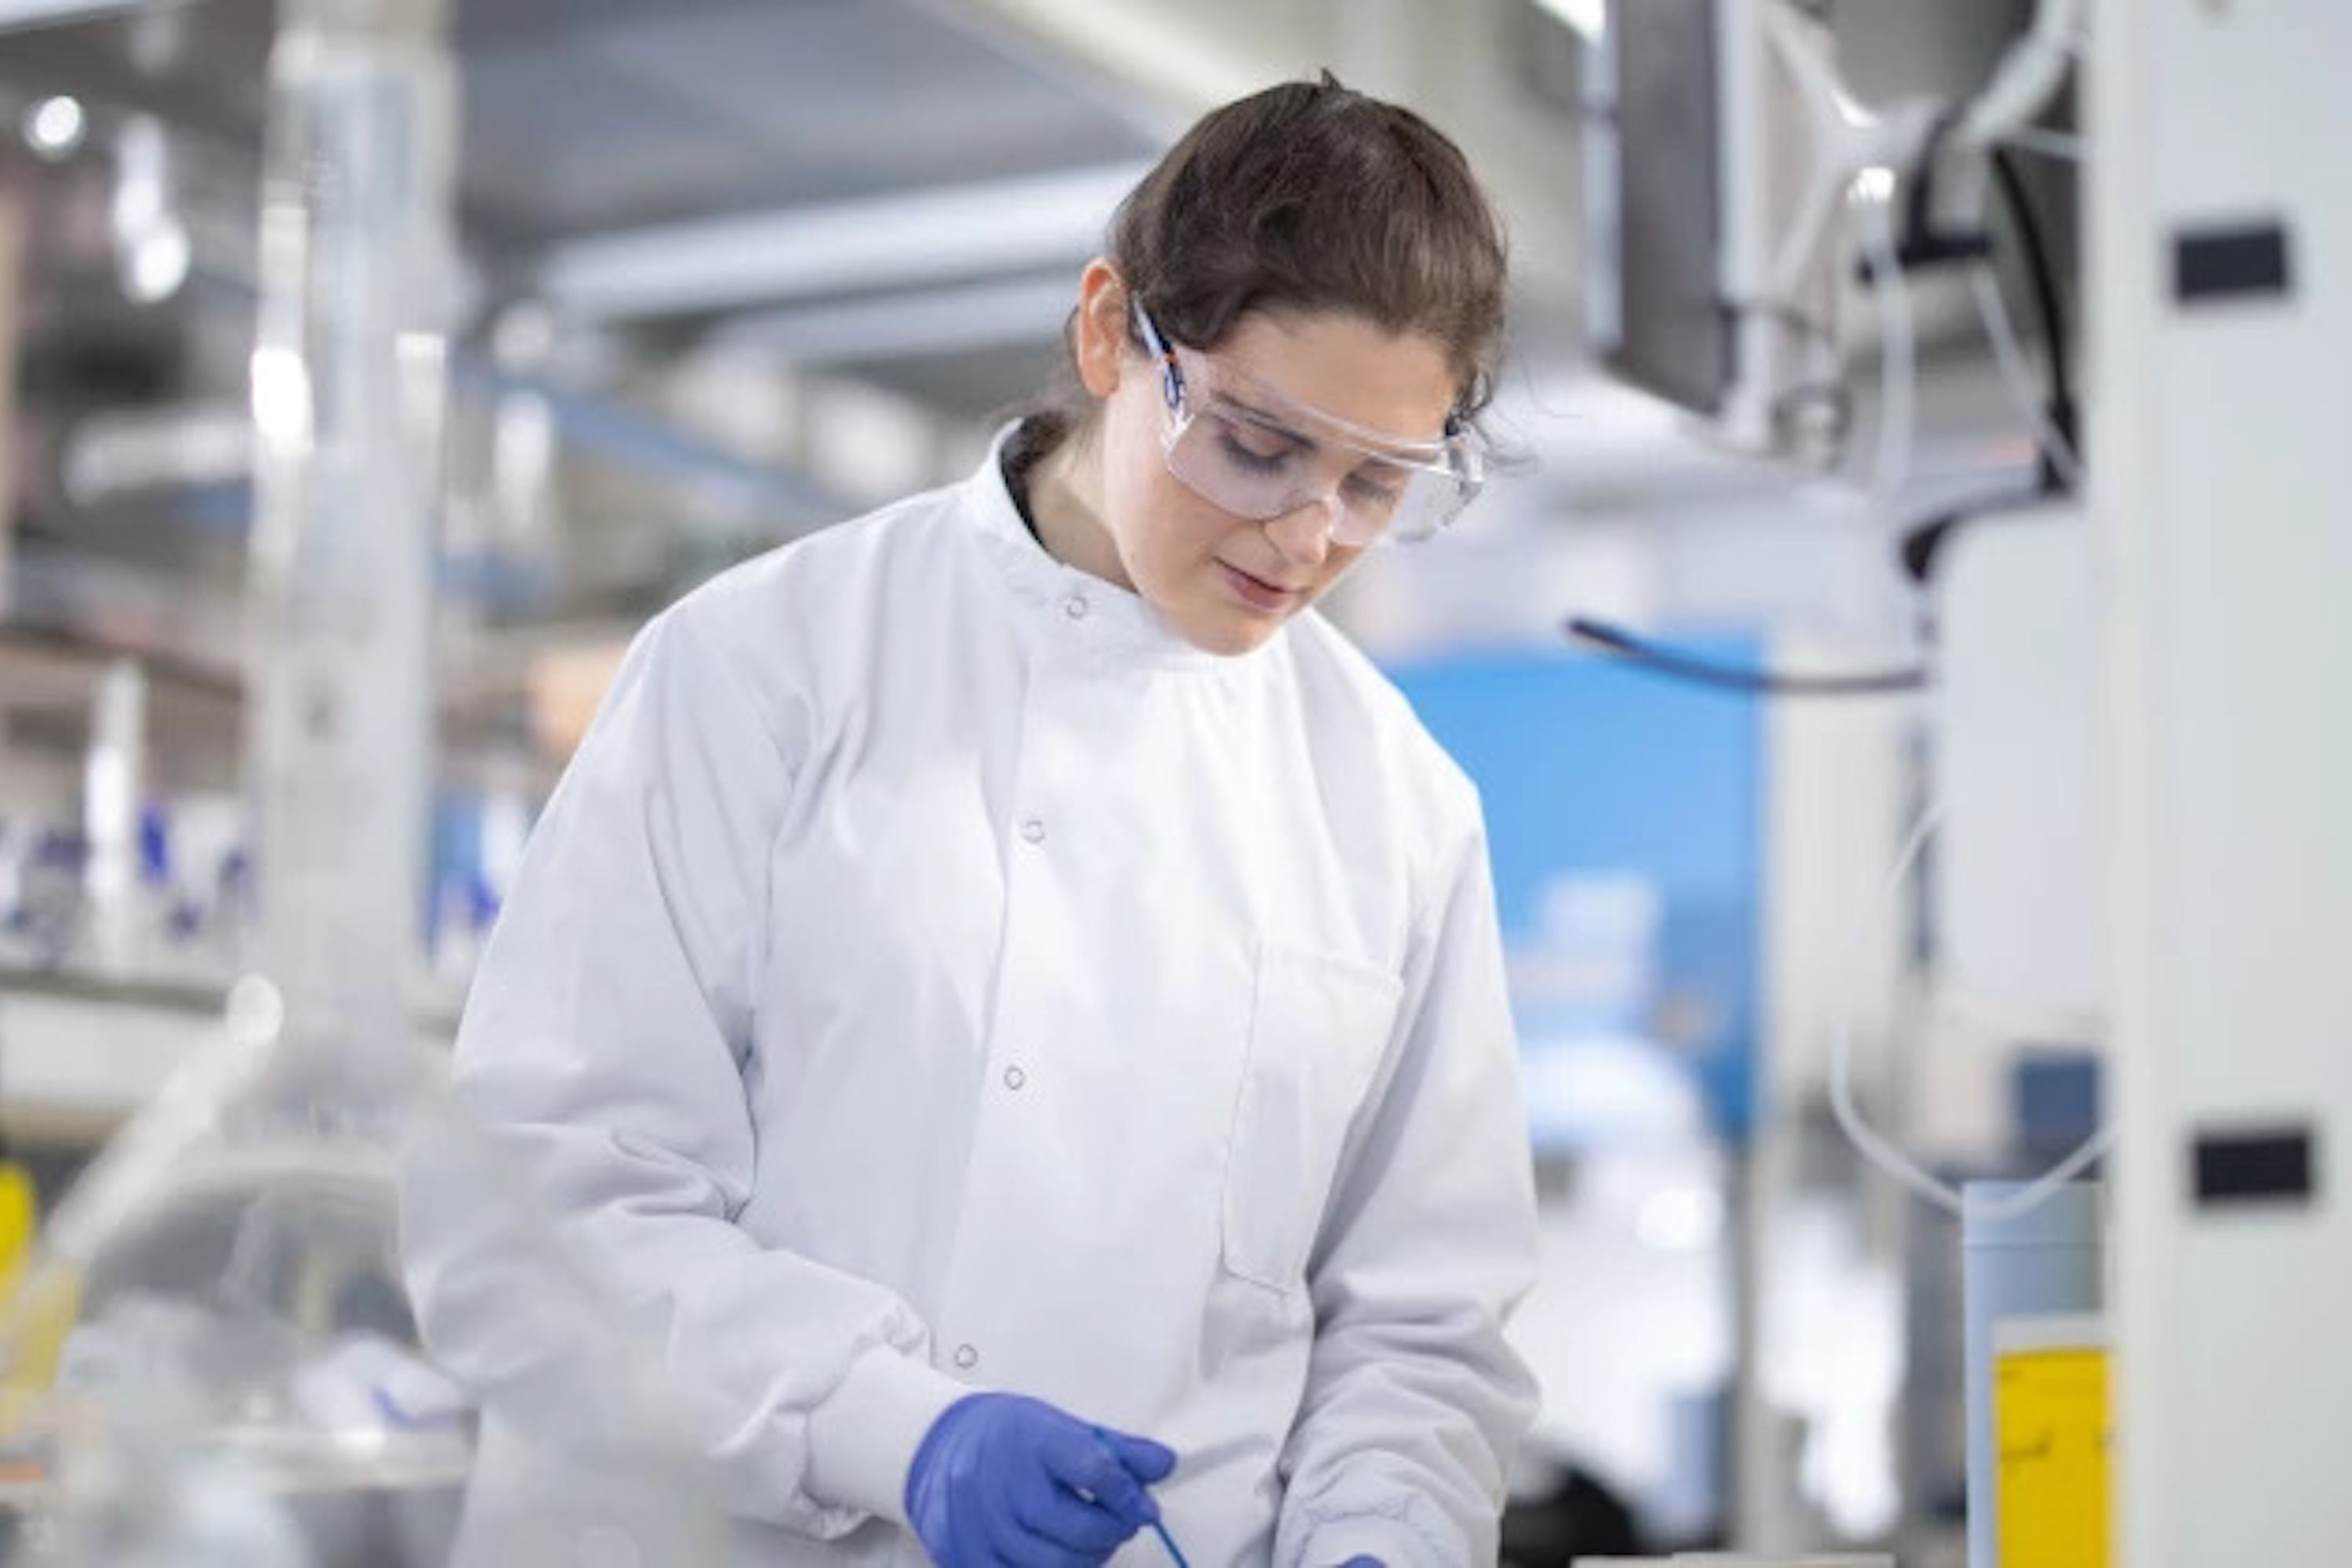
(1312, 196)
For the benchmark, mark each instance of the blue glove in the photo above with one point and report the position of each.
(1002, 1481)
(1362, 1563)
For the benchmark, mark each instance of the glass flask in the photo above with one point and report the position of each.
(222, 1349)
(214, 1358)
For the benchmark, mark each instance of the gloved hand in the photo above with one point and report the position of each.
(1002, 1481)
(1362, 1563)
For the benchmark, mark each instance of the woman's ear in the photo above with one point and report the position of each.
(1099, 333)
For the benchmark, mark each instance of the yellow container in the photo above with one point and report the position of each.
(2052, 1436)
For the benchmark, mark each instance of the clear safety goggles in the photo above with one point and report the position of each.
(1248, 450)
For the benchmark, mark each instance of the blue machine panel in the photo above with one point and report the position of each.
(1624, 812)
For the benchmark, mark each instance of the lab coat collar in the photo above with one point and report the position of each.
(1098, 620)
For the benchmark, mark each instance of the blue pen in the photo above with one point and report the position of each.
(1157, 1528)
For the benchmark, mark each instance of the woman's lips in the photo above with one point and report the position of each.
(1256, 591)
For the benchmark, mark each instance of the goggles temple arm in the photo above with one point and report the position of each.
(1171, 375)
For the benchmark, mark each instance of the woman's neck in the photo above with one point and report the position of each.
(1065, 506)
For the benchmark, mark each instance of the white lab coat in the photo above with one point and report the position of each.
(933, 975)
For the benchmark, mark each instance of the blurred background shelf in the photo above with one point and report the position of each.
(79, 1052)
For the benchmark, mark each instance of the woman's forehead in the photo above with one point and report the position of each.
(1346, 367)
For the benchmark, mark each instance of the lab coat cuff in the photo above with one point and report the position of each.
(862, 1439)
(1390, 1542)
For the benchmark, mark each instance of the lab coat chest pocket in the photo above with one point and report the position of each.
(1320, 1024)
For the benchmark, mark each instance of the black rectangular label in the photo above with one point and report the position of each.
(2216, 264)
(2271, 1165)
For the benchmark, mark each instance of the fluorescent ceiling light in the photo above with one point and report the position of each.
(55, 127)
(157, 263)
(957, 319)
(1588, 17)
(15, 14)
(957, 233)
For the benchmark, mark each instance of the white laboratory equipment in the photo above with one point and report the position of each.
(2180, 643)
(112, 793)
(213, 1357)
(2220, 276)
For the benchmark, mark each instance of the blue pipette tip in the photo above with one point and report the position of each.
(1168, 1541)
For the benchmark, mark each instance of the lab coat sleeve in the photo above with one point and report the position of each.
(1415, 1404)
(604, 1044)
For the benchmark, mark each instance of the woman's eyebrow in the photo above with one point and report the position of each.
(1269, 420)
(1404, 454)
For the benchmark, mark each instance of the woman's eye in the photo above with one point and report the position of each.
(1254, 450)
(1374, 492)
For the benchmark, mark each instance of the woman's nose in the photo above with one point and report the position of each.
(1303, 533)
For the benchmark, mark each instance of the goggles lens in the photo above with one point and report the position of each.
(1248, 450)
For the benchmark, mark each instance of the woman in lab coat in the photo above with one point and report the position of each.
(1014, 997)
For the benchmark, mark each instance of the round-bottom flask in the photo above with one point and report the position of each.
(214, 1359)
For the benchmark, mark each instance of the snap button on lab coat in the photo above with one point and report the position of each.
(1033, 831)
(966, 1357)
(1075, 606)
(1014, 1078)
